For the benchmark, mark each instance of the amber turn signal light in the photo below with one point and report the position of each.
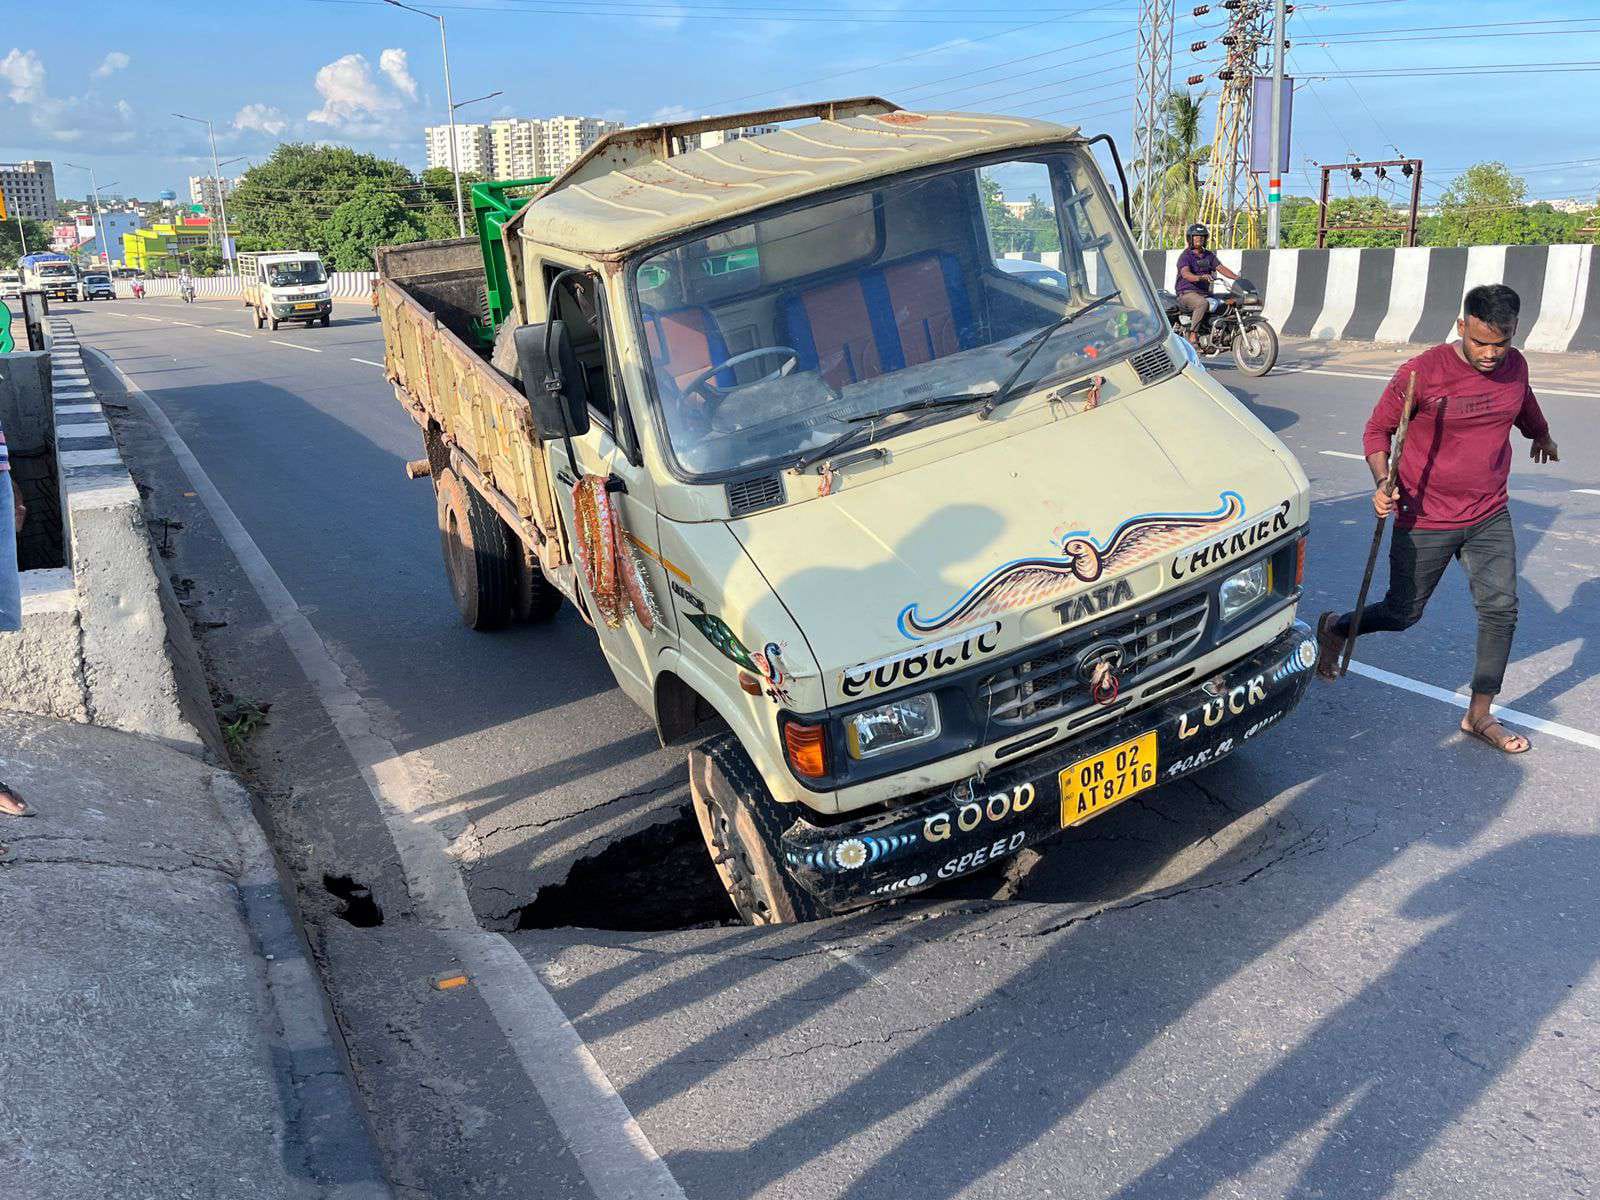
(1300, 562)
(806, 749)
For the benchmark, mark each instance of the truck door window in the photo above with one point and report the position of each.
(578, 304)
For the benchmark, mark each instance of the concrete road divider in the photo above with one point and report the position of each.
(345, 285)
(1409, 294)
(103, 639)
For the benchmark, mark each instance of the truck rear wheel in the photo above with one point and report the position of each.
(260, 320)
(537, 598)
(477, 554)
(742, 826)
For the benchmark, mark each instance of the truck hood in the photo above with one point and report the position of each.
(1009, 542)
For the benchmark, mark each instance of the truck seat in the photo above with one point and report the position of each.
(685, 341)
(882, 319)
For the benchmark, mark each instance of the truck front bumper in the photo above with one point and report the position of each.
(954, 832)
(294, 312)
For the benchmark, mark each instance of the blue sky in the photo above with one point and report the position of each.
(96, 84)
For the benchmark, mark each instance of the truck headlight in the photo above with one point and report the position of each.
(892, 726)
(1243, 588)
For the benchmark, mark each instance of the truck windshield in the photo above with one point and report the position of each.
(55, 269)
(294, 274)
(768, 338)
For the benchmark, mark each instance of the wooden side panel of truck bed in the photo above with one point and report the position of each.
(483, 418)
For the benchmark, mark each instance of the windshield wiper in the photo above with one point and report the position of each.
(1030, 348)
(864, 429)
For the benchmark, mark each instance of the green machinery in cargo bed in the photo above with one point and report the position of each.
(493, 204)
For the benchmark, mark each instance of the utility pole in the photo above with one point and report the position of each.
(1275, 158)
(1149, 118)
(450, 102)
(216, 175)
(1228, 202)
(1410, 168)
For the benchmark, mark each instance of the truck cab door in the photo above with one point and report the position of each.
(603, 451)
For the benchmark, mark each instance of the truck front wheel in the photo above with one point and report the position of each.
(742, 826)
(477, 554)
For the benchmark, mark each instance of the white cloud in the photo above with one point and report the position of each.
(393, 64)
(260, 118)
(23, 73)
(112, 62)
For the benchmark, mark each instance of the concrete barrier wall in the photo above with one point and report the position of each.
(1410, 295)
(103, 639)
(350, 285)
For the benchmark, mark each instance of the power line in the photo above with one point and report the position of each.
(611, 9)
(1004, 63)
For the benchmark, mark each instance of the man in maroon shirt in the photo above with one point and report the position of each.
(1452, 493)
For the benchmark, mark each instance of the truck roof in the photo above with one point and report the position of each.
(607, 205)
(262, 256)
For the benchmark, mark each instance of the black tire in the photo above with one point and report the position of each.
(743, 826)
(537, 599)
(327, 320)
(273, 321)
(478, 554)
(255, 315)
(1255, 347)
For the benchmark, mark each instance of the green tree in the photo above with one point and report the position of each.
(372, 216)
(38, 236)
(1476, 209)
(288, 202)
(1179, 153)
(438, 219)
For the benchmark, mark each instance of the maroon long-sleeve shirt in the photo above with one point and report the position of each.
(1457, 456)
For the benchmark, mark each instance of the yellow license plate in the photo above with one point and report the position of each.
(1092, 785)
(311, 305)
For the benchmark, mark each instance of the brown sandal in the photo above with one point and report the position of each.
(1329, 646)
(1480, 730)
(13, 805)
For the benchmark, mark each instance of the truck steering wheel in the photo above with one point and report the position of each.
(714, 395)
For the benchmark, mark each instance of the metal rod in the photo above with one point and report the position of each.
(1377, 534)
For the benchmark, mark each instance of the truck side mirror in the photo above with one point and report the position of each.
(555, 384)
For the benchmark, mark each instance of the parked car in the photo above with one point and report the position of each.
(96, 286)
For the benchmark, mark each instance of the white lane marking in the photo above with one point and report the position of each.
(368, 361)
(612, 1151)
(295, 346)
(1538, 391)
(1588, 491)
(72, 410)
(154, 320)
(190, 324)
(1538, 724)
(1343, 454)
(231, 333)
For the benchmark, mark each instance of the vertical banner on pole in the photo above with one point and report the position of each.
(1261, 126)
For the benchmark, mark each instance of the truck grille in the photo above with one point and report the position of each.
(1049, 686)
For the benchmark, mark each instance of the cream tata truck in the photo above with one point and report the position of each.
(920, 561)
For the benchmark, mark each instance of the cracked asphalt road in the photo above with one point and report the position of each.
(1356, 959)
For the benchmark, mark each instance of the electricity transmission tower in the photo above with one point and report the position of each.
(1230, 202)
(1149, 118)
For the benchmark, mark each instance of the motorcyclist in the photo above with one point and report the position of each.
(1198, 268)
(185, 284)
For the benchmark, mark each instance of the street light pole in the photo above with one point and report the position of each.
(94, 209)
(216, 178)
(1274, 159)
(449, 99)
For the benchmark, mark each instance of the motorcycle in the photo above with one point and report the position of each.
(1235, 323)
(188, 293)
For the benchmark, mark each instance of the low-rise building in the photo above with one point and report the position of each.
(165, 247)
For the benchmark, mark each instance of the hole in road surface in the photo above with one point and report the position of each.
(659, 878)
(357, 905)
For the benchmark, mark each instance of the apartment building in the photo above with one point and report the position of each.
(473, 150)
(30, 189)
(718, 137)
(516, 148)
(565, 138)
(211, 190)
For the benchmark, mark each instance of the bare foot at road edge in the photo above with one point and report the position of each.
(13, 805)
